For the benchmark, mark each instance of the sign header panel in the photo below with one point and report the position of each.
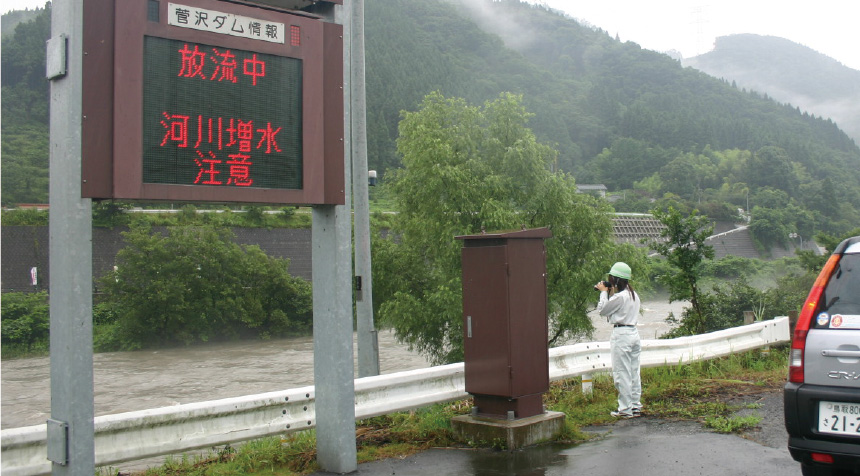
(186, 16)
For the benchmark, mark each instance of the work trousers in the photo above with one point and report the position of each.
(625, 350)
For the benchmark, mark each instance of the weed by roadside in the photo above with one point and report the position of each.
(735, 424)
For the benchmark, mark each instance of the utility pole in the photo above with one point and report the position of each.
(368, 345)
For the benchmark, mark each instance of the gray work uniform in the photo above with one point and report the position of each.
(622, 310)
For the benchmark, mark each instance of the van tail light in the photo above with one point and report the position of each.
(822, 458)
(804, 321)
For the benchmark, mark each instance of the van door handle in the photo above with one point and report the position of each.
(841, 353)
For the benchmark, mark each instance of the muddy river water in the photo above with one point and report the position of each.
(130, 381)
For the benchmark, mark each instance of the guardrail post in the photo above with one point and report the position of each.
(587, 385)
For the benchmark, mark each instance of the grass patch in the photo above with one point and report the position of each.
(419, 429)
(732, 424)
(709, 392)
(293, 455)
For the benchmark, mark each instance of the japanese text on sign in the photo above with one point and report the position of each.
(218, 116)
(193, 65)
(197, 18)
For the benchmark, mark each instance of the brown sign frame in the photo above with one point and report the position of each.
(112, 131)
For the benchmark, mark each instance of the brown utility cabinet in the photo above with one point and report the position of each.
(505, 322)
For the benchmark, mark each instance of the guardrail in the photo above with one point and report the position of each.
(168, 430)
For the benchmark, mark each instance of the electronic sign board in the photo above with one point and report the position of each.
(204, 100)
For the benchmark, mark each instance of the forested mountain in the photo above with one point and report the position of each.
(24, 108)
(12, 19)
(633, 119)
(788, 72)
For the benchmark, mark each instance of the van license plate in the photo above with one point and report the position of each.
(839, 418)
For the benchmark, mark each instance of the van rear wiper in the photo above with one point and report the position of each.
(832, 302)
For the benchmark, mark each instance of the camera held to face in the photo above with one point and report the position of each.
(605, 283)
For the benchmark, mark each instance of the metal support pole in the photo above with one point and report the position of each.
(70, 429)
(332, 295)
(333, 354)
(368, 350)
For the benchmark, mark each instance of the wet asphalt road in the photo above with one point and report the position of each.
(642, 446)
(628, 450)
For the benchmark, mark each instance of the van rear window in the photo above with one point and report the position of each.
(839, 307)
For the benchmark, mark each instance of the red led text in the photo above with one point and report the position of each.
(221, 65)
(222, 145)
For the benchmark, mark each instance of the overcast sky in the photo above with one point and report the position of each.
(690, 26)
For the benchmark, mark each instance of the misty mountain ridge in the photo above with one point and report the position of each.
(786, 71)
(789, 73)
(13, 18)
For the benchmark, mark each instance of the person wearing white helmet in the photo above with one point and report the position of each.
(620, 304)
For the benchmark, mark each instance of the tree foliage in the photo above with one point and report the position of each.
(725, 304)
(195, 285)
(685, 250)
(468, 169)
(25, 319)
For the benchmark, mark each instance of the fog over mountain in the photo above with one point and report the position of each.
(789, 73)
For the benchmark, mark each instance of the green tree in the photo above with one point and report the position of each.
(108, 213)
(770, 226)
(772, 167)
(25, 319)
(468, 169)
(25, 164)
(195, 285)
(650, 186)
(819, 195)
(770, 197)
(685, 250)
(728, 301)
(687, 175)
